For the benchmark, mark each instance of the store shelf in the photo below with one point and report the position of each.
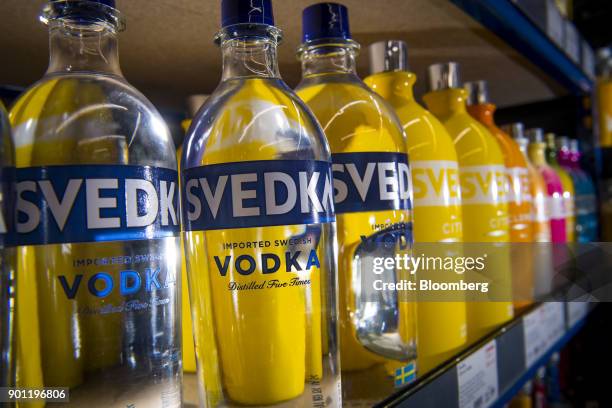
(496, 368)
(508, 22)
(168, 53)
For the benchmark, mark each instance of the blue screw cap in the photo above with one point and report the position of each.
(325, 21)
(83, 11)
(246, 12)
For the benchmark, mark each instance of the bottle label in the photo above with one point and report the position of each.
(94, 203)
(6, 203)
(483, 185)
(257, 194)
(556, 206)
(373, 181)
(541, 211)
(568, 205)
(435, 183)
(586, 204)
(519, 191)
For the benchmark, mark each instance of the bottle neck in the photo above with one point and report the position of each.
(483, 112)
(564, 157)
(395, 84)
(537, 153)
(523, 147)
(551, 156)
(574, 159)
(337, 58)
(249, 54)
(82, 47)
(446, 102)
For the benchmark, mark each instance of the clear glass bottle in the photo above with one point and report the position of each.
(259, 230)
(7, 254)
(373, 198)
(97, 215)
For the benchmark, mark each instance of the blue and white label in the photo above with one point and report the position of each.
(257, 194)
(93, 203)
(374, 181)
(7, 175)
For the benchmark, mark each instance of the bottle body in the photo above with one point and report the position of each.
(264, 285)
(484, 198)
(99, 290)
(542, 256)
(441, 326)
(8, 259)
(364, 135)
(554, 190)
(520, 204)
(567, 186)
(585, 198)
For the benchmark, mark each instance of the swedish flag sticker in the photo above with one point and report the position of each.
(405, 375)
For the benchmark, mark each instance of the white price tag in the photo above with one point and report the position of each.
(534, 336)
(554, 23)
(477, 378)
(576, 311)
(554, 322)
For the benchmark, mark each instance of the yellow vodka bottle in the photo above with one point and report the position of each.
(259, 230)
(371, 181)
(483, 189)
(441, 326)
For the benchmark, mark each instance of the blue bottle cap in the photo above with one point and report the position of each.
(83, 11)
(325, 21)
(246, 12)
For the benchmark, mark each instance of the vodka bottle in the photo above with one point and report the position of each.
(259, 226)
(97, 215)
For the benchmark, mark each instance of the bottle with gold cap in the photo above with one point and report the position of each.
(540, 218)
(372, 183)
(441, 326)
(568, 187)
(519, 193)
(8, 259)
(484, 197)
(259, 230)
(555, 203)
(568, 156)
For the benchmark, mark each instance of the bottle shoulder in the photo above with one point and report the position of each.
(474, 143)
(513, 156)
(251, 119)
(88, 119)
(353, 117)
(426, 137)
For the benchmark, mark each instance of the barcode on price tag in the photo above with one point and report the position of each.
(477, 378)
(535, 341)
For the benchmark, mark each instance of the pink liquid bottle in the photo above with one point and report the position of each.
(537, 154)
